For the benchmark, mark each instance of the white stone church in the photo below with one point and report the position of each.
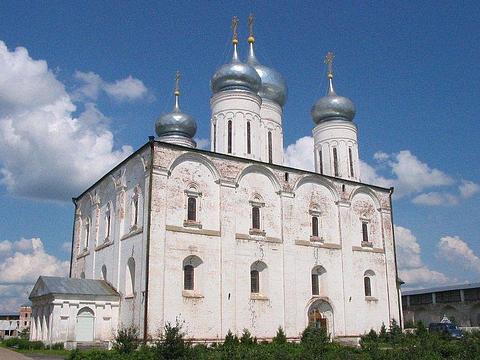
(229, 239)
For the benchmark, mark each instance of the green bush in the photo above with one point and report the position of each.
(172, 344)
(126, 340)
(23, 344)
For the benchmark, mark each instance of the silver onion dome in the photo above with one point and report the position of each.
(273, 85)
(235, 75)
(176, 123)
(332, 106)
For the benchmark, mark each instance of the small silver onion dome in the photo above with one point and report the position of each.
(273, 85)
(235, 75)
(176, 123)
(332, 106)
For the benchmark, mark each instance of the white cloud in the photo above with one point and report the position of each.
(435, 199)
(45, 151)
(468, 189)
(300, 154)
(20, 266)
(203, 143)
(411, 268)
(127, 89)
(67, 246)
(457, 252)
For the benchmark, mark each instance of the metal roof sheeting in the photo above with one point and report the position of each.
(46, 285)
(441, 288)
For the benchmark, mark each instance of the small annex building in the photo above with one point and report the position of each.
(73, 311)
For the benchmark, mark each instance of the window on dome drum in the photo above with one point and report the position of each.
(315, 287)
(255, 217)
(192, 209)
(315, 226)
(320, 160)
(215, 137)
(335, 162)
(249, 145)
(367, 286)
(254, 281)
(351, 161)
(364, 232)
(188, 277)
(229, 140)
(270, 151)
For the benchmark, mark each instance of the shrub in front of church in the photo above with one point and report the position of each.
(172, 344)
(126, 340)
(23, 344)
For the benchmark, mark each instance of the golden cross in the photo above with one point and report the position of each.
(251, 19)
(177, 82)
(329, 61)
(234, 27)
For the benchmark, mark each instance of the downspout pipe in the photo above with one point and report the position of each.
(74, 200)
(400, 313)
(151, 141)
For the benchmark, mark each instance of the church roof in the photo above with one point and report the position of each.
(441, 288)
(49, 285)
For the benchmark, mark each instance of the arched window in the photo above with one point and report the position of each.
(192, 209)
(256, 217)
(320, 161)
(270, 150)
(86, 234)
(190, 265)
(188, 277)
(229, 137)
(214, 136)
(134, 208)
(108, 221)
(368, 279)
(82, 275)
(104, 273)
(350, 157)
(318, 282)
(315, 226)
(254, 281)
(249, 144)
(335, 162)
(258, 278)
(365, 232)
(130, 278)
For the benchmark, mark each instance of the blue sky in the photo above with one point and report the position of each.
(101, 73)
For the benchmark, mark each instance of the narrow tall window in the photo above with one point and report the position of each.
(351, 161)
(256, 217)
(335, 162)
(108, 221)
(270, 150)
(254, 282)
(229, 140)
(364, 232)
(86, 240)
(315, 287)
(215, 137)
(315, 226)
(130, 277)
(320, 158)
(188, 277)
(249, 143)
(192, 209)
(367, 285)
(135, 210)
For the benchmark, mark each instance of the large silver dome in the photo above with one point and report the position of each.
(333, 107)
(273, 85)
(235, 76)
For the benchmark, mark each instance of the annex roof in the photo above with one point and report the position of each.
(47, 285)
(441, 288)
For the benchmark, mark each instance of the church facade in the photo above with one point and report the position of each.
(232, 239)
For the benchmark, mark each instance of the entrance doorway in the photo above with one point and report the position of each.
(320, 316)
(85, 325)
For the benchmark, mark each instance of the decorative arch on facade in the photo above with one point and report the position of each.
(194, 157)
(256, 168)
(317, 180)
(320, 313)
(367, 191)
